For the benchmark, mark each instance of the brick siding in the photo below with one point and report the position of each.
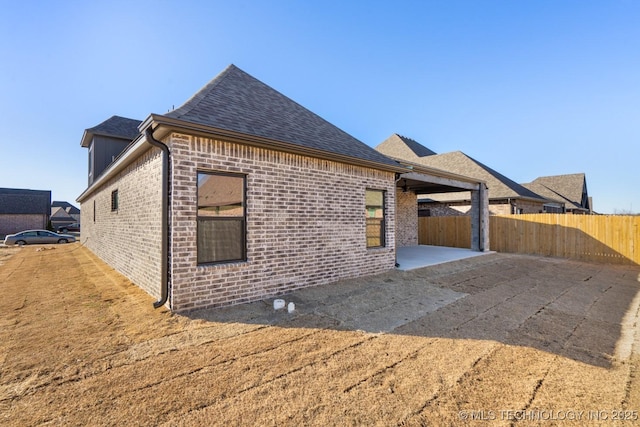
(14, 223)
(129, 239)
(407, 218)
(495, 208)
(305, 223)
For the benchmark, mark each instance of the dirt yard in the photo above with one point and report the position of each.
(492, 340)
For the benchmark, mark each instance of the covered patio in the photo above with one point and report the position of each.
(412, 257)
(424, 181)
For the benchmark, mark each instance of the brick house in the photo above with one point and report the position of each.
(242, 194)
(569, 190)
(505, 195)
(63, 213)
(23, 209)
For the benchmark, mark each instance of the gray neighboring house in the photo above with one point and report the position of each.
(63, 213)
(23, 210)
(242, 194)
(569, 190)
(505, 195)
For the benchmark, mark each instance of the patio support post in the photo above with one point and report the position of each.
(480, 219)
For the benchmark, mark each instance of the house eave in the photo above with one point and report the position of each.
(164, 125)
(137, 147)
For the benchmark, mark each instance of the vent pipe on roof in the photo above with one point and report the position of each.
(164, 269)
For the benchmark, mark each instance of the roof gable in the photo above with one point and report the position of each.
(401, 147)
(66, 206)
(570, 188)
(499, 185)
(238, 102)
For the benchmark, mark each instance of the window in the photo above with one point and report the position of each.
(221, 218)
(114, 200)
(375, 216)
(91, 160)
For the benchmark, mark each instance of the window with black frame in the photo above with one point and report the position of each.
(114, 200)
(375, 216)
(221, 217)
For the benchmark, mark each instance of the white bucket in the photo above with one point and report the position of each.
(278, 304)
(291, 307)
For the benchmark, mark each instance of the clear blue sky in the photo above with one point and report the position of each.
(530, 88)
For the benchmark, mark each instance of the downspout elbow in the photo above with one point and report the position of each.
(164, 269)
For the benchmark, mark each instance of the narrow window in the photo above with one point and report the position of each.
(94, 210)
(221, 218)
(91, 161)
(375, 215)
(114, 200)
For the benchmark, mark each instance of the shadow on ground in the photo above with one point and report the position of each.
(582, 311)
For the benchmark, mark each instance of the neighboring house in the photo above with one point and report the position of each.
(505, 195)
(570, 190)
(23, 210)
(241, 194)
(401, 147)
(63, 213)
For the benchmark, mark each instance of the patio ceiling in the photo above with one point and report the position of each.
(430, 183)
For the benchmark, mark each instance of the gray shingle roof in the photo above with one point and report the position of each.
(238, 102)
(566, 188)
(499, 185)
(115, 127)
(68, 207)
(17, 201)
(401, 147)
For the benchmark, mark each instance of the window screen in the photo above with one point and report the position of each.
(221, 218)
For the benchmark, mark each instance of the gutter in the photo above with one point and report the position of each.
(271, 144)
(164, 269)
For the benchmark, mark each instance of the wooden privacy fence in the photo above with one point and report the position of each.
(599, 238)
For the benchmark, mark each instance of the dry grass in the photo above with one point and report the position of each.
(81, 345)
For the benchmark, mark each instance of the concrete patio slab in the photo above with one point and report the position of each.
(412, 257)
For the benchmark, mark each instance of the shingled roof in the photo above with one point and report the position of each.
(114, 127)
(499, 185)
(238, 102)
(402, 147)
(570, 189)
(18, 201)
(66, 206)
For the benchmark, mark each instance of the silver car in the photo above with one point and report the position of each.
(37, 237)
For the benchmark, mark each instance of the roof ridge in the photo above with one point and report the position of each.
(195, 99)
(236, 101)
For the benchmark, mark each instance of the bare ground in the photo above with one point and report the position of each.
(493, 340)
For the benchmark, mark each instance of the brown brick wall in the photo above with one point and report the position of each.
(13, 223)
(495, 208)
(129, 239)
(305, 223)
(406, 218)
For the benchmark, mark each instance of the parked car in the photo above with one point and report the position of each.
(37, 237)
(69, 227)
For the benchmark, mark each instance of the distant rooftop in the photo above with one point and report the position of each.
(402, 147)
(19, 201)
